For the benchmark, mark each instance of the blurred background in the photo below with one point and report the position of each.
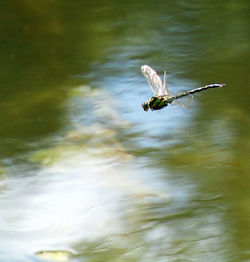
(84, 170)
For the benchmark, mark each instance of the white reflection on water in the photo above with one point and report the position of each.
(79, 197)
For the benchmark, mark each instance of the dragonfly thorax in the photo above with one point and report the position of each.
(155, 103)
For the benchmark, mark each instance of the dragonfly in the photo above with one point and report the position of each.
(162, 96)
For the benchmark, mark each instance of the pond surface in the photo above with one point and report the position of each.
(85, 171)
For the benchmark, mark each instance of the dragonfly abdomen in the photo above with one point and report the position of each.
(199, 89)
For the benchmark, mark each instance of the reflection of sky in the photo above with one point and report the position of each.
(78, 198)
(130, 89)
(82, 194)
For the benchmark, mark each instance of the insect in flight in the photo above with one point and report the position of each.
(162, 96)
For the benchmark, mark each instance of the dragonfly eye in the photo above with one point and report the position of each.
(145, 106)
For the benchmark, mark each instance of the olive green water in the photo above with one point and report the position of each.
(85, 171)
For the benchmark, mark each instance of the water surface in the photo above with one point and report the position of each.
(84, 169)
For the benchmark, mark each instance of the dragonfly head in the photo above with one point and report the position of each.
(145, 105)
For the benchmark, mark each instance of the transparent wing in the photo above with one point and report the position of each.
(165, 87)
(155, 81)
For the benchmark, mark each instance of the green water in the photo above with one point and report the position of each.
(84, 169)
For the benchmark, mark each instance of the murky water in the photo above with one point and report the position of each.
(85, 171)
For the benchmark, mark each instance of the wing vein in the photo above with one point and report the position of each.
(155, 81)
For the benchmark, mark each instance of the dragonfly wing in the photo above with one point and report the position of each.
(165, 87)
(153, 79)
